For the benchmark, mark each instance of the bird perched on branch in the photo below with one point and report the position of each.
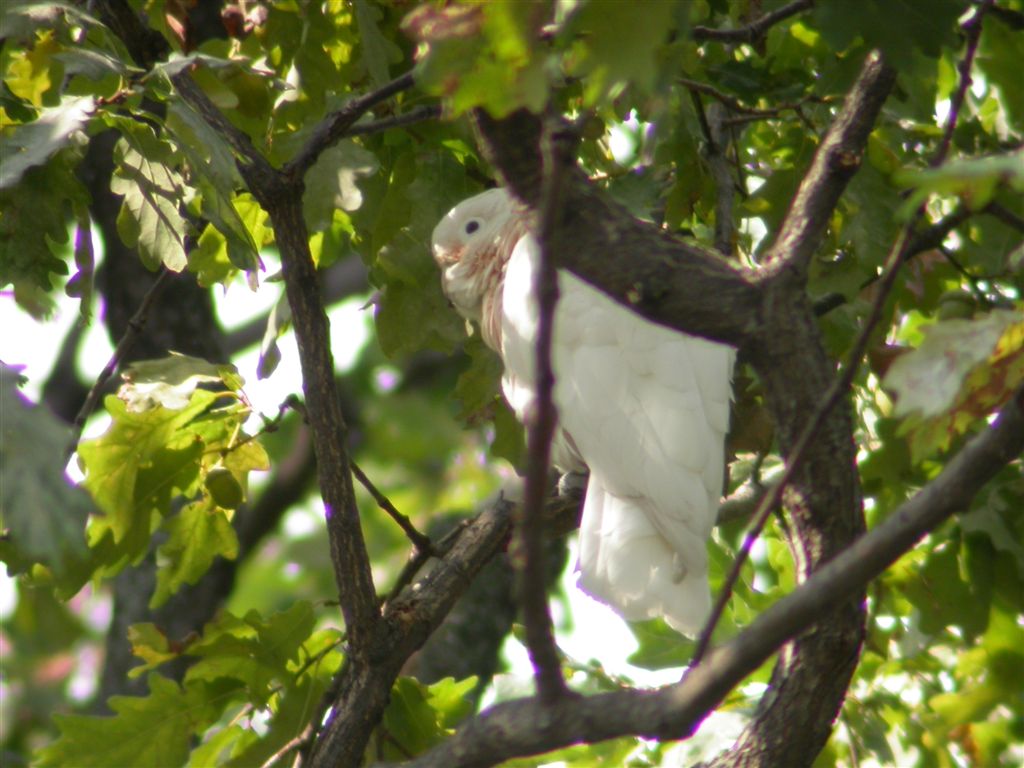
(644, 408)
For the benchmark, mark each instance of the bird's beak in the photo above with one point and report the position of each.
(445, 256)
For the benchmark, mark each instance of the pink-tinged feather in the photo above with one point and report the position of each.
(644, 408)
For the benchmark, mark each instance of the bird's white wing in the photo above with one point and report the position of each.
(646, 409)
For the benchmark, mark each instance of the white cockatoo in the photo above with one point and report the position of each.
(644, 408)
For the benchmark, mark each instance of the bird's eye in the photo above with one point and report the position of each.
(472, 226)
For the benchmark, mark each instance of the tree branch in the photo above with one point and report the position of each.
(418, 115)
(797, 452)
(1005, 215)
(834, 164)
(664, 279)
(972, 31)
(735, 105)
(145, 45)
(364, 689)
(281, 196)
(419, 540)
(521, 727)
(338, 124)
(821, 496)
(558, 151)
(753, 32)
(686, 288)
(349, 556)
(927, 239)
(1008, 16)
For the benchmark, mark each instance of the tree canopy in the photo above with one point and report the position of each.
(836, 188)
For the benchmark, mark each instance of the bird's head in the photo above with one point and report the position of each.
(472, 245)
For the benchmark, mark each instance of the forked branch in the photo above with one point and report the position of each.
(522, 727)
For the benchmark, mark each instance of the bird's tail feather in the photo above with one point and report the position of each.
(626, 563)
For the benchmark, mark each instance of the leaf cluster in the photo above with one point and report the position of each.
(663, 110)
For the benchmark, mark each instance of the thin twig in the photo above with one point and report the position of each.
(1011, 18)
(418, 115)
(1005, 215)
(972, 30)
(340, 123)
(519, 727)
(745, 501)
(976, 290)
(831, 398)
(288, 746)
(131, 334)
(712, 126)
(418, 560)
(721, 171)
(420, 541)
(252, 165)
(735, 105)
(898, 254)
(754, 31)
(835, 162)
(928, 239)
(556, 149)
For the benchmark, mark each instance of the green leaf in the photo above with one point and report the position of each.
(218, 748)
(410, 319)
(974, 181)
(92, 64)
(153, 191)
(34, 74)
(509, 436)
(198, 534)
(212, 164)
(169, 382)
(450, 699)
(479, 385)
(31, 144)
(619, 44)
(150, 644)
(377, 50)
(278, 322)
(962, 371)
(218, 207)
(482, 55)
(155, 730)
(252, 649)
(999, 57)
(898, 27)
(34, 220)
(659, 646)
(220, 255)
(41, 510)
(993, 524)
(41, 624)
(332, 183)
(133, 468)
(928, 379)
(297, 702)
(412, 312)
(945, 597)
(197, 138)
(250, 652)
(419, 716)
